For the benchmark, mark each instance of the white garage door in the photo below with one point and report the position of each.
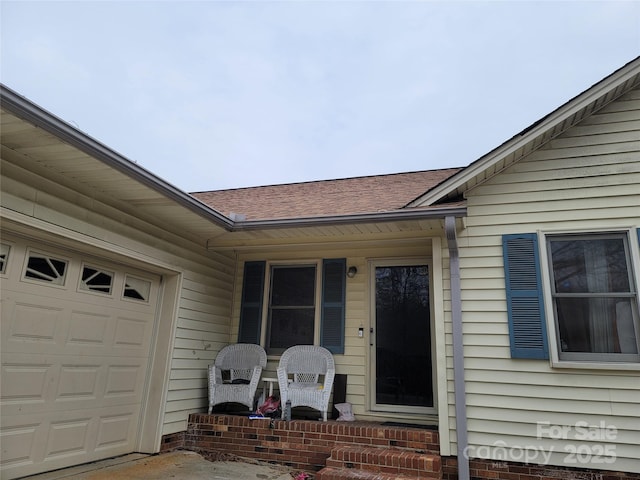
(76, 337)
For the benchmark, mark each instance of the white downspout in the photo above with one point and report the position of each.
(458, 352)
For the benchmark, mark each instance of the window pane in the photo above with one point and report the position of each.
(590, 266)
(4, 255)
(291, 327)
(293, 286)
(596, 325)
(46, 269)
(137, 289)
(291, 307)
(96, 280)
(594, 297)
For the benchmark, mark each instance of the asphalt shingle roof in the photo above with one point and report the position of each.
(348, 196)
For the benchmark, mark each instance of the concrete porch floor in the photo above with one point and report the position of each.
(178, 465)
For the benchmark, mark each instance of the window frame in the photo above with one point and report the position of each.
(100, 269)
(265, 328)
(266, 304)
(580, 360)
(4, 268)
(45, 254)
(123, 288)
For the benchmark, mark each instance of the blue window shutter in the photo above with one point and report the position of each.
(525, 304)
(333, 304)
(251, 307)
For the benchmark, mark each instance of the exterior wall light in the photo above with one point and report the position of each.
(352, 272)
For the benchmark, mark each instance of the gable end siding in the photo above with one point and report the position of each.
(587, 180)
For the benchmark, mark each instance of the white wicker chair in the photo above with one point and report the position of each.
(243, 361)
(299, 379)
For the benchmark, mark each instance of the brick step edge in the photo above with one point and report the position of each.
(369, 458)
(330, 473)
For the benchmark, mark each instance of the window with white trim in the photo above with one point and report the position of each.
(595, 298)
(292, 307)
(95, 279)
(136, 289)
(45, 268)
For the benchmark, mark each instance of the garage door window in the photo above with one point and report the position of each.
(47, 269)
(95, 279)
(137, 289)
(4, 257)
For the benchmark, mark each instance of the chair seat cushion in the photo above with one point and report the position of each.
(305, 386)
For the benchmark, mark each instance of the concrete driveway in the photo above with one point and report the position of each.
(180, 465)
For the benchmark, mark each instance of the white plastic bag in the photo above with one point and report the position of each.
(346, 413)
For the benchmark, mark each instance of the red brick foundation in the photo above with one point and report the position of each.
(308, 445)
(299, 443)
(173, 441)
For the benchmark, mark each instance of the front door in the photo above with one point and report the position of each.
(401, 338)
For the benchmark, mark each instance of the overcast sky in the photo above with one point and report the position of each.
(210, 94)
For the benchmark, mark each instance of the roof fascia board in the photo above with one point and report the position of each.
(32, 113)
(411, 214)
(537, 129)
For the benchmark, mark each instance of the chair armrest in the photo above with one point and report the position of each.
(328, 379)
(255, 377)
(283, 379)
(215, 375)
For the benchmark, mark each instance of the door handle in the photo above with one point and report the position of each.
(371, 336)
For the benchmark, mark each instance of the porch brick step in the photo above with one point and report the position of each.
(330, 473)
(390, 461)
(381, 435)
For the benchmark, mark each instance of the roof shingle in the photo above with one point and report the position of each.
(348, 196)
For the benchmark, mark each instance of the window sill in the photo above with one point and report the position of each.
(585, 365)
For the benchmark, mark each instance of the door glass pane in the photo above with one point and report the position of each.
(403, 336)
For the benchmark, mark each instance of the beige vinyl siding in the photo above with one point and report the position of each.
(587, 179)
(205, 278)
(202, 330)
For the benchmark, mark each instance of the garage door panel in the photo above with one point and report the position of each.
(114, 431)
(124, 381)
(18, 444)
(78, 382)
(84, 330)
(35, 442)
(131, 333)
(74, 362)
(25, 322)
(88, 330)
(57, 383)
(24, 383)
(68, 437)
